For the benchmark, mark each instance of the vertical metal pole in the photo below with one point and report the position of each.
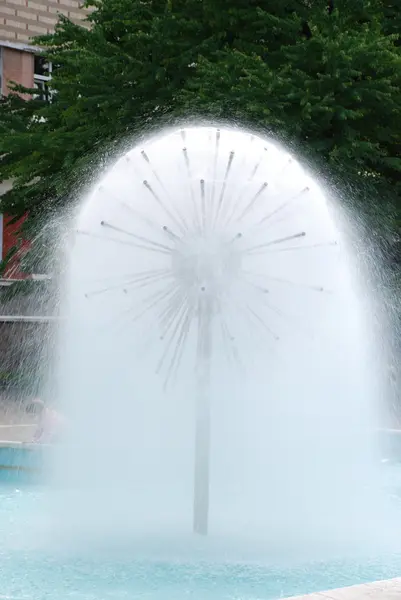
(202, 425)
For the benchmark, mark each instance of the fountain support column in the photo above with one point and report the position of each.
(202, 424)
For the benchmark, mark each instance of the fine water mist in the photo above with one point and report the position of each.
(211, 280)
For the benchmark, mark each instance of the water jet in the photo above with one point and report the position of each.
(210, 273)
(218, 368)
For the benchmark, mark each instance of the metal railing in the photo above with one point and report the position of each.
(9, 281)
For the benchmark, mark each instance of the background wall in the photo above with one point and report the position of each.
(20, 20)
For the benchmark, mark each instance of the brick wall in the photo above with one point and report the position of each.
(20, 20)
(11, 238)
(16, 66)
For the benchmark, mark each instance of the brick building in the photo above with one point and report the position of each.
(24, 320)
(20, 62)
(20, 21)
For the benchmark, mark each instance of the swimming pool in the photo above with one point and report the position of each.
(33, 569)
(30, 572)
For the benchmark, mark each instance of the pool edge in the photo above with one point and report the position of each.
(22, 462)
(387, 589)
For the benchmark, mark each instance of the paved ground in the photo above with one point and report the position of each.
(15, 424)
(379, 590)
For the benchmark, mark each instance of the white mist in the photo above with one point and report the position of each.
(223, 219)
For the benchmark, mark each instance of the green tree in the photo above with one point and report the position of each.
(113, 80)
(392, 18)
(325, 75)
(336, 90)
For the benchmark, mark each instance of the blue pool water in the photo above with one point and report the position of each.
(33, 569)
(27, 571)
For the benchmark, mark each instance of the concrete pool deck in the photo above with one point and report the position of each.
(389, 589)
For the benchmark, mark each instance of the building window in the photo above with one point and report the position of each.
(41, 78)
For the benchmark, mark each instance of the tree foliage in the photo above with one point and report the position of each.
(325, 75)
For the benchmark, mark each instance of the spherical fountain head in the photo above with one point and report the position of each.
(216, 213)
(206, 262)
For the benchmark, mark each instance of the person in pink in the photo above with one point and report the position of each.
(51, 423)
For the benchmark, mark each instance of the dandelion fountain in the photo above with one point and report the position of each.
(209, 283)
(216, 368)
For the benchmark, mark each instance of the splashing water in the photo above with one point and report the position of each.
(216, 365)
